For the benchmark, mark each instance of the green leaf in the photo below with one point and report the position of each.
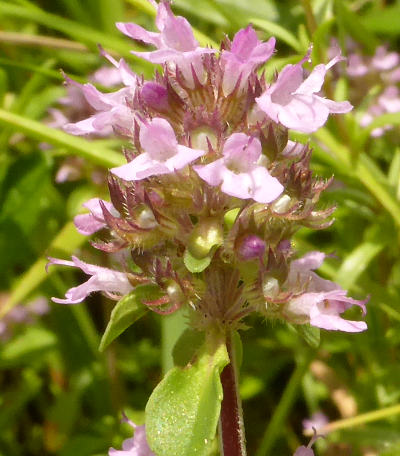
(128, 310)
(383, 20)
(186, 346)
(310, 334)
(183, 411)
(195, 264)
(27, 347)
(357, 262)
(352, 24)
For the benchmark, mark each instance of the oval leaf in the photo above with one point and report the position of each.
(195, 264)
(183, 411)
(128, 309)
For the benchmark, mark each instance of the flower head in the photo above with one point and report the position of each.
(212, 183)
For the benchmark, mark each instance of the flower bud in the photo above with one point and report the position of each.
(155, 96)
(205, 235)
(251, 247)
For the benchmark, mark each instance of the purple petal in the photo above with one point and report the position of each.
(139, 168)
(88, 224)
(158, 139)
(176, 32)
(211, 173)
(103, 279)
(84, 127)
(137, 32)
(265, 188)
(310, 261)
(135, 446)
(304, 113)
(184, 156)
(243, 150)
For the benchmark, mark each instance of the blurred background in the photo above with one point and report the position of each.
(58, 394)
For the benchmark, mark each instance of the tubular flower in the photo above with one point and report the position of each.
(163, 154)
(88, 224)
(111, 109)
(246, 54)
(176, 44)
(293, 102)
(213, 189)
(315, 300)
(114, 283)
(239, 173)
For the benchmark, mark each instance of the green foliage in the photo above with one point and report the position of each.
(183, 410)
(194, 264)
(59, 395)
(128, 310)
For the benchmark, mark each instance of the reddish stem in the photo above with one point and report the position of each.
(231, 426)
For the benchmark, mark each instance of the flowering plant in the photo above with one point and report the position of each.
(206, 206)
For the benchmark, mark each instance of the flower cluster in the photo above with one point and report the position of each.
(213, 190)
(379, 77)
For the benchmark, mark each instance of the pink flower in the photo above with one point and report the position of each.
(103, 279)
(136, 445)
(163, 154)
(239, 172)
(323, 301)
(388, 101)
(356, 66)
(175, 43)
(112, 109)
(293, 102)
(246, 53)
(384, 60)
(88, 224)
(317, 421)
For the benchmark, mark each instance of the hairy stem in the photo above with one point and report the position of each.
(231, 427)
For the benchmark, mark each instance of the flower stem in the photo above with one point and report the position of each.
(231, 426)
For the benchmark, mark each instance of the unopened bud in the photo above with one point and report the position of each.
(155, 96)
(205, 235)
(251, 247)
